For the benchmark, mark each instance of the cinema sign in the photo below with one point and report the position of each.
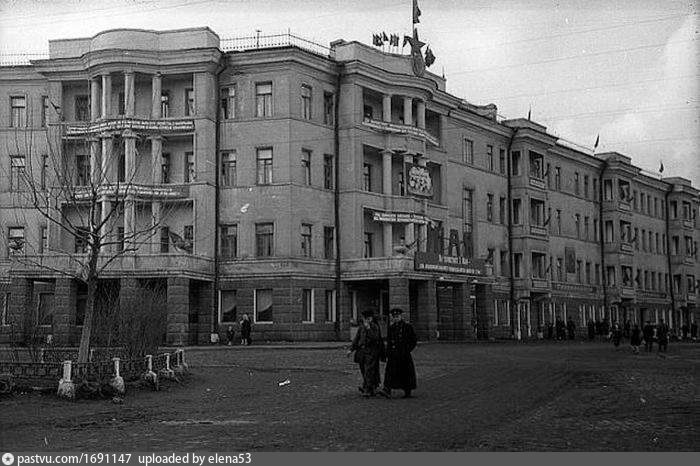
(433, 262)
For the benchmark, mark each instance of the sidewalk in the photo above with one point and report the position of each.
(274, 345)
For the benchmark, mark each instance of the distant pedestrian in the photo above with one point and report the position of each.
(246, 327)
(648, 333)
(571, 328)
(605, 328)
(662, 336)
(560, 329)
(626, 329)
(636, 339)
(230, 334)
(550, 330)
(694, 331)
(400, 372)
(685, 330)
(616, 335)
(591, 330)
(369, 349)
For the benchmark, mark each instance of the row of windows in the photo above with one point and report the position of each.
(265, 241)
(228, 102)
(264, 311)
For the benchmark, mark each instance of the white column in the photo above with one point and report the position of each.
(129, 156)
(129, 221)
(94, 99)
(106, 158)
(129, 93)
(95, 168)
(423, 234)
(386, 108)
(106, 95)
(387, 235)
(106, 207)
(420, 117)
(156, 156)
(155, 97)
(407, 111)
(409, 234)
(155, 219)
(386, 172)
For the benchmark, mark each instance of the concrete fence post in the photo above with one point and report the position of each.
(117, 381)
(167, 372)
(150, 376)
(66, 387)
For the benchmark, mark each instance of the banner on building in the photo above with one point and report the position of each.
(432, 262)
(570, 260)
(400, 217)
(419, 181)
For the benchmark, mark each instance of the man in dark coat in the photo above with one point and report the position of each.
(636, 339)
(245, 330)
(662, 335)
(400, 341)
(571, 328)
(591, 330)
(369, 349)
(648, 332)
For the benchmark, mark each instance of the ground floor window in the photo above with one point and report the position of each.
(307, 305)
(228, 301)
(330, 306)
(263, 305)
(45, 309)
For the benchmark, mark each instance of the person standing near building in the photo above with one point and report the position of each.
(591, 330)
(571, 328)
(635, 339)
(662, 336)
(616, 334)
(400, 372)
(648, 332)
(245, 330)
(369, 349)
(694, 331)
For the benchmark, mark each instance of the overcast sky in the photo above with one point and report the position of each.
(627, 70)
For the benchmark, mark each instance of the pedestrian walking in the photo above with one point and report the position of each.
(230, 334)
(571, 328)
(662, 336)
(369, 349)
(685, 330)
(627, 328)
(616, 335)
(591, 330)
(400, 373)
(550, 330)
(694, 331)
(648, 333)
(246, 328)
(636, 339)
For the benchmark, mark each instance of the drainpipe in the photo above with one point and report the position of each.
(668, 251)
(601, 232)
(217, 201)
(513, 305)
(336, 195)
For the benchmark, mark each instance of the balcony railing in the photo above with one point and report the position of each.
(398, 128)
(540, 284)
(537, 182)
(140, 125)
(377, 265)
(538, 230)
(240, 44)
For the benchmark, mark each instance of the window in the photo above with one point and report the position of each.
(536, 165)
(264, 166)
(596, 230)
(611, 276)
(330, 306)
(18, 111)
(44, 110)
(306, 166)
(502, 210)
(328, 242)
(328, 108)
(306, 240)
(516, 211)
(121, 104)
(81, 237)
(597, 274)
(121, 167)
(517, 262)
(228, 303)
(489, 207)
(263, 99)
(44, 245)
(578, 272)
(367, 177)
(328, 173)
(120, 239)
(307, 305)
(560, 269)
(548, 176)
(502, 161)
(609, 231)
(190, 173)
(674, 209)
(165, 168)
(636, 239)
(44, 170)
(264, 239)
(656, 243)
(656, 207)
(467, 151)
(306, 102)
(585, 186)
(164, 104)
(576, 183)
(18, 165)
(45, 309)
(367, 112)
(82, 162)
(595, 189)
(489, 157)
(227, 100)
(164, 239)
(588, 273)
(229, 241)
(82, 108)
(228, 168)
(188, 235)
(263, 306)
(559, 221)
(689, 246)
(538, 265)
(586, 232)
(189, 102)
(557, 178)
(15, 240)
(369, 251)
(515, 163)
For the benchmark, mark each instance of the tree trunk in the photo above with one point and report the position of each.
(84, 349)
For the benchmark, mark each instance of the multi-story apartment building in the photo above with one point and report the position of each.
(304, 185)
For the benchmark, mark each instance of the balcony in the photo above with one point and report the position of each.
(619, 247)
(371, 267)
(138, 125)
(617, 205)
(681, 224)
(682, 259)
(401, 129)
(537, 230)
(140, 265)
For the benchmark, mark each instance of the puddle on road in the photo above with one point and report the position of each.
(208, 422)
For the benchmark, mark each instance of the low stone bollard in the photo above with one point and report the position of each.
(167, 372)
(117, 382)
(66, 387)
(150, 376)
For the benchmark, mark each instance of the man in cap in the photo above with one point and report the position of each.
(369, 349)
(400, 372)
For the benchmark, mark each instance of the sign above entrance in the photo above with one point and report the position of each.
(432, 262)
(400, 217)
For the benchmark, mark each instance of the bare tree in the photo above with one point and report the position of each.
(80, 192)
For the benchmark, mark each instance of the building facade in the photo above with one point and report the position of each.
(301, 186)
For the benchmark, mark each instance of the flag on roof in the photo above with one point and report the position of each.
(416, 12)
